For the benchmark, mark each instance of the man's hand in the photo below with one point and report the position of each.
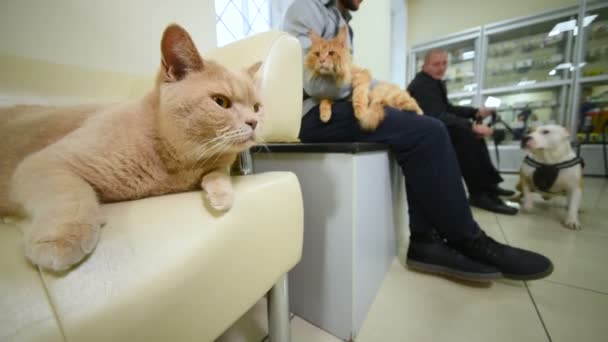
(482, 130)
(484, 112)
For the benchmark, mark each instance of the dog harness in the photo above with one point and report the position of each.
(544, 175)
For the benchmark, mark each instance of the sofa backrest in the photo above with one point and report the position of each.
(32, 81)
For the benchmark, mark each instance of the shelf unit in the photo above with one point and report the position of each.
(539, 66)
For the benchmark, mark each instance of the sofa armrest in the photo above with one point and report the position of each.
(280, 81)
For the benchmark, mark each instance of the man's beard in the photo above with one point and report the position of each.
(349, 5)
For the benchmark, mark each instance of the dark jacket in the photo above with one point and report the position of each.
(432, 97)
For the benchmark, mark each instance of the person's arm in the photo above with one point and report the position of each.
(431, 102)
(463, 111)
(300, 17)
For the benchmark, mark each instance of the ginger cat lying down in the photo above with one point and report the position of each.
(57, 164)
(332, 57)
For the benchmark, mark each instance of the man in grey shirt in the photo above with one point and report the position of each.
(444, 236)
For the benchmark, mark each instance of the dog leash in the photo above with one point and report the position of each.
(496, 119)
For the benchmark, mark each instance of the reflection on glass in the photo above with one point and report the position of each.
(466, 101)
(528, 55)
(596, 54)
(524, 110)
(460, 76)
(593, 113)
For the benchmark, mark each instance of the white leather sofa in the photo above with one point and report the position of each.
(167, 268)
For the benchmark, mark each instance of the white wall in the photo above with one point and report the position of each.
(432, 19)
(372, 37)
(117, 35)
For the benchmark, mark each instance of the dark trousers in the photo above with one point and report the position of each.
(477, 169)
(422, 147)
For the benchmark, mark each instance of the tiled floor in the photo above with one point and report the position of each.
(570, 305)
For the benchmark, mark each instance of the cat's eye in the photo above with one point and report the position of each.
(544, 131)
(317, 54)
(256, 107)
(222, 101)
(331, 53)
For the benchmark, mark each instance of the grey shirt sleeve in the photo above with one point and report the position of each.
(300, 17)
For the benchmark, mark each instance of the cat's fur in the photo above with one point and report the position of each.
(332, 57)
(58, 163)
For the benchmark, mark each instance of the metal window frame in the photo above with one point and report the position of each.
(244, 12)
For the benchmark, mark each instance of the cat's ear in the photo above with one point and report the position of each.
(342, 36)
(314, 37)
(253, 69)
(179, 54)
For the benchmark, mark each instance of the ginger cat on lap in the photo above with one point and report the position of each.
(333, 58)
(56, 164)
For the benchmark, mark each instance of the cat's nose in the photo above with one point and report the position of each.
(252, 123)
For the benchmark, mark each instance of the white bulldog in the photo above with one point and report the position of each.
(552, 168)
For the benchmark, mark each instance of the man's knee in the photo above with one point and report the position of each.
(422, 123)
(433, 127)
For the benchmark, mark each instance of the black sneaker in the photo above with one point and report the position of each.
(432, 254)
(513, 263)
(491, 203)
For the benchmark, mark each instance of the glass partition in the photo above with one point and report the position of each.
(530, 54)
(526, 109)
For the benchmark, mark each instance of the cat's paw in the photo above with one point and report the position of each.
(218, 189)
(373, 118)
(325, 116)
(360, 110)
(221, 199)
(60, 248)
(325, 110)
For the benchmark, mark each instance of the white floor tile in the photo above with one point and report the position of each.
(579, 258)
(413, 306)
(251, 327)
(571, 314)
(303, 331)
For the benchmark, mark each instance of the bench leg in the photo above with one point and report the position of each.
(279, 327)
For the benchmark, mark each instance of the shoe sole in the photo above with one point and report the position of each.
(535, 276)
(432, 268)
(511, 213)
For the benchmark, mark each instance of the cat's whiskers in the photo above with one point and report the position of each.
(200, 150)
(230, 142)
(225, 142)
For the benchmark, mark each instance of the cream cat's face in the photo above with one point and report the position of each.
(205, 109)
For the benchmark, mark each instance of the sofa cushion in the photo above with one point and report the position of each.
(169, 268)
(25, 311)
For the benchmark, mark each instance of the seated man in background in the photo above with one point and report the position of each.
(480, 175)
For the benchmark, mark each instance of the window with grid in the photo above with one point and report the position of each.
(236, 19)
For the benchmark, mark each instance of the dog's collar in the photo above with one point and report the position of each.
(563, 165)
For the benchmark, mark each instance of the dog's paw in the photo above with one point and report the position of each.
(573, 224)
(527, 205)
(59, 249)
